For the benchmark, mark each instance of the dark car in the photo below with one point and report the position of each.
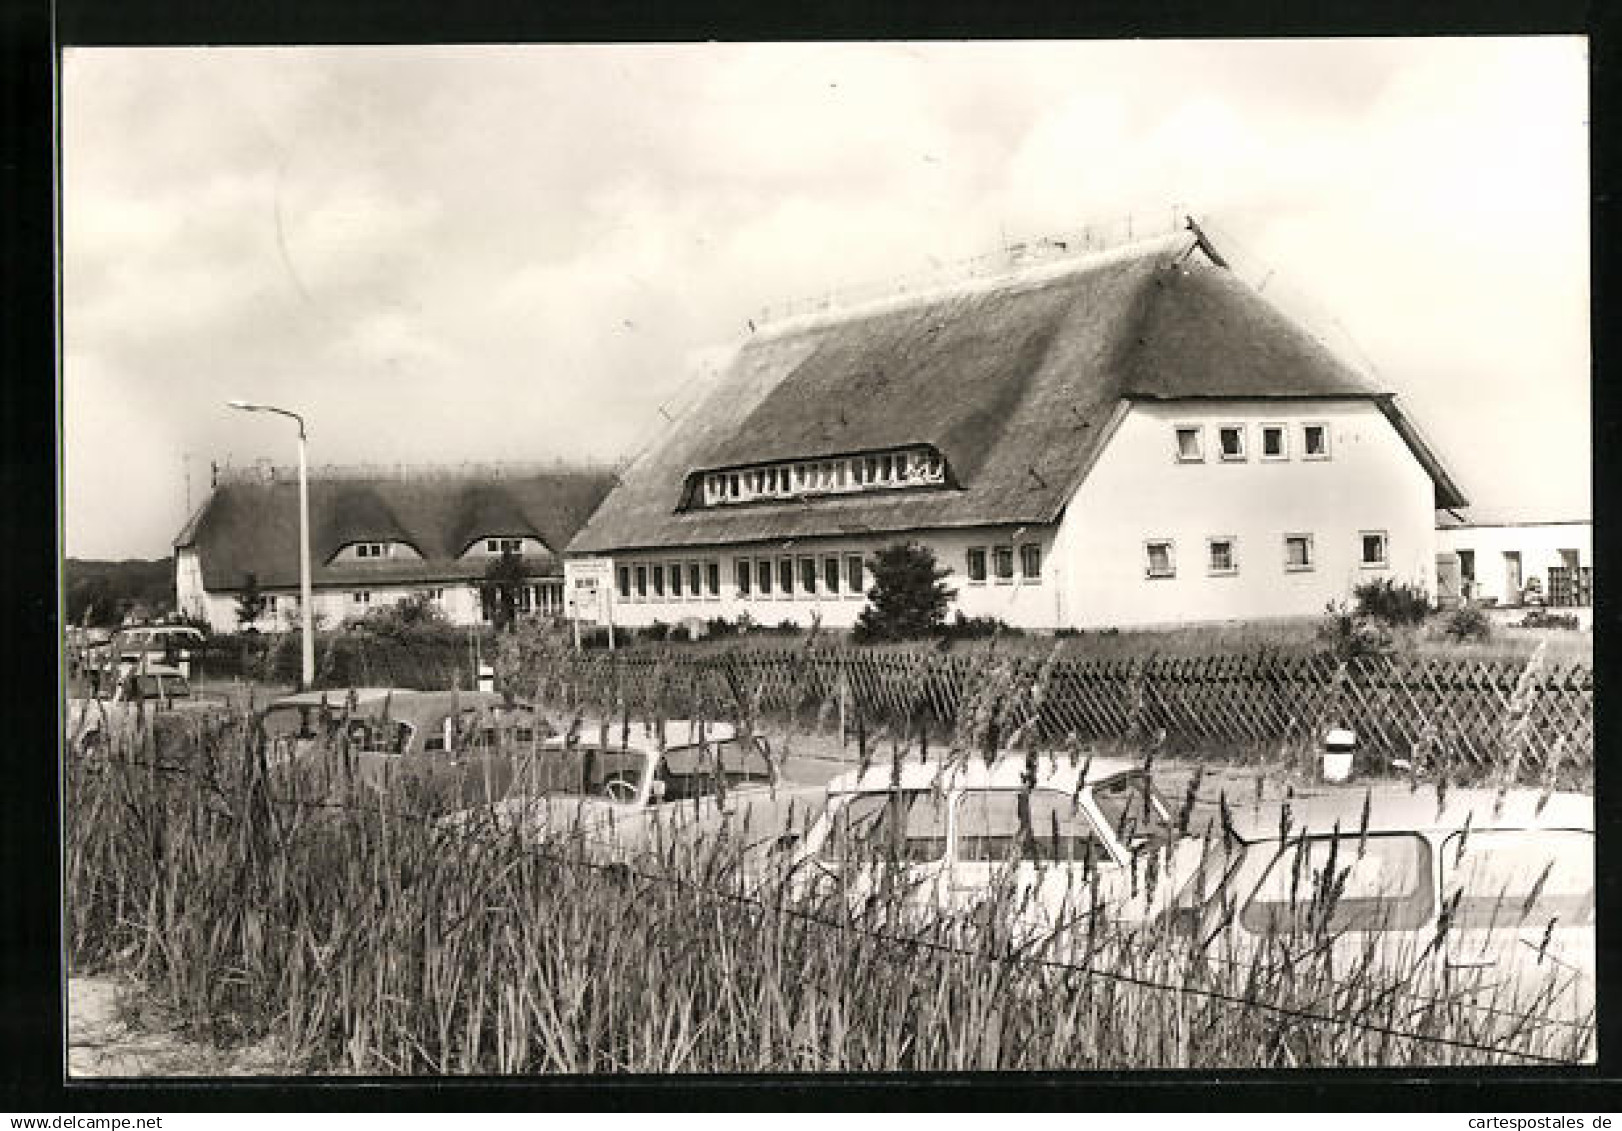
(451, 748)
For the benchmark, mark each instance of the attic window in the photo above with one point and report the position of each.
(900, 468)
(1275, 442)
(503, 545)
(371, 549)
(1190, 444)
(1314, 441)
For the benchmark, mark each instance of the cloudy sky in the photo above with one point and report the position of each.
(521, 253)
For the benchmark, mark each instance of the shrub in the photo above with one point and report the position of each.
(1468, 623)
(657, 631)
(598, 637)
(1393, 602)
(720, 626)
(1349, 634)
(908, 598)
(961, 627)
(787, 627)
(1540, 618)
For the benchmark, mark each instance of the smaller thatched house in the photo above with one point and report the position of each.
(1127, 438)
(380, 537)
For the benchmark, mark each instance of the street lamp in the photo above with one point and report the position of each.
(303, 538)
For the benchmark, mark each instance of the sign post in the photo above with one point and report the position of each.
(586, 582)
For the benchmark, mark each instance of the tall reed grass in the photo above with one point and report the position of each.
(364, 936)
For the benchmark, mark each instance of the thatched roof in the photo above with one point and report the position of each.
(253, 527)
(1014, 381)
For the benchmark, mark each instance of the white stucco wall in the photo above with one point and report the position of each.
(1139, 491)
(332, 606)
(1539, 545)
(1022, 602)
(1093, 560)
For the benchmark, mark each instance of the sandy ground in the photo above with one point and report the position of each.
(112, 1034)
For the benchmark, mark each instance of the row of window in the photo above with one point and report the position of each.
(1222, 554)
(375, 550)
(830, 575)
(1002, 563)
(906, 467)
(1233, 442)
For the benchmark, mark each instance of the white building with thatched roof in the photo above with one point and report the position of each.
(1133, 437)
(377, 537)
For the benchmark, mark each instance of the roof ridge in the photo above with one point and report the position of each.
(1012, 278)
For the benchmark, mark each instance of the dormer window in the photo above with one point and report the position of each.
(371, 549)
(503, 545)
(917, 466)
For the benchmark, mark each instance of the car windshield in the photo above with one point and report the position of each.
(1134, 808)
(907, 825)
(709, 769)
(991, 827)
(1375, 883)
(1516, 878)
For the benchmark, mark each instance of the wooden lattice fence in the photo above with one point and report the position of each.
(1476, 715)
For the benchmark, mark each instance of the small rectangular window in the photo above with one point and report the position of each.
(1223, 555)
(785, 577)
(1231, 438)
(1298, 552)
(743, 577)
(712, 579)
(675, 580)
(763, 576)
(977, 564)
(361, 597)
(1190, 444)
(624, 579)
(808, 575)
(1376, 548)
(1030, 561)
(1160, 560)
(854, 585)
(732, 485)
(641, 583)
(1275, 442)
(830, 574)
(1314, 441)
(658, 572)
(1002, 562)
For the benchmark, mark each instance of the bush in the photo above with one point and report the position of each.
(1468, 623)
(598, 637)
(1540, 618)
(908, 598)
(1393, 602)
(1349, 634)
(720, 626)
(656, 632)
(976, 628)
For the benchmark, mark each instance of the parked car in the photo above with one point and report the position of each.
(459, 746)
(617, 791)
(171, 644)
(934, 841)
(114, 702)
(1510, 875)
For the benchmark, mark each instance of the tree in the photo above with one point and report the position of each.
(500, 590)
(908, 598)
(250, 602)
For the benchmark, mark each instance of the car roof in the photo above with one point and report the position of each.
(1007, 772)
(1397, 809)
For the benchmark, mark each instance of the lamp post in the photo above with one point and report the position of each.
(306, 616)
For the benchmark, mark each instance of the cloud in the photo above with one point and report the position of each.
(477, 252)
